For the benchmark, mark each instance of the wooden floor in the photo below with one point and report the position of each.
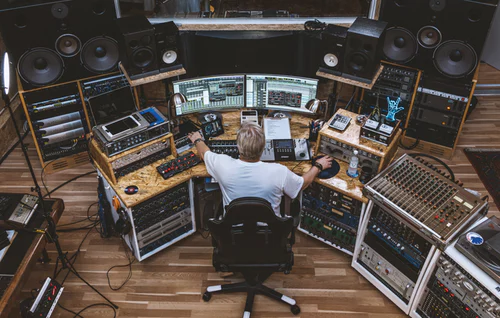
(170, 283)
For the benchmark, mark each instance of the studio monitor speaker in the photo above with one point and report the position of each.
(168, 46)
(138, 46)
(365, 39)
(61, 41)
(444, 38)
(333, 40)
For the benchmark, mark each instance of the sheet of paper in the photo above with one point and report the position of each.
(277, 128)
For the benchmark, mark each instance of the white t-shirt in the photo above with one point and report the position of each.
(239, 179)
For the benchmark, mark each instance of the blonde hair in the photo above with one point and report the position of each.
(251, 141)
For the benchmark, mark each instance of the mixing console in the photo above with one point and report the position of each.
(454, 292)
(330, 216)
(227, 147)
(175, 166)
(431, 202)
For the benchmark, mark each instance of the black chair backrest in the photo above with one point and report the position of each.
(251, 232)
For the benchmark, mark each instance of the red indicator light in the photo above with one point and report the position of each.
(446, 290)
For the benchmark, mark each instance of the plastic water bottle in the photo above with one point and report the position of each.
(352, 171)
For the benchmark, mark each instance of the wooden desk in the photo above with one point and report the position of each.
(9, 305)
(150, 183)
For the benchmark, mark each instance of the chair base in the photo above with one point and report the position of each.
(252, 285)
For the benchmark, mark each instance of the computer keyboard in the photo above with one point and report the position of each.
(4, 283)
(178, 165)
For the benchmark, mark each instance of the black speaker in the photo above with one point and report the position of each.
(365, 40)
(167, 46)
(333, 40)
(444, 38)
(138, 46)
(61, 41)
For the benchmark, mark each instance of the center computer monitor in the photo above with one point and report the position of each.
(211, 93)
(288, 93)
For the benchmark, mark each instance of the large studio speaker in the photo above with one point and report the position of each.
(138, 46)
(443, 38)
(168, 46)
(333, 40)
(61, 41)
(362, 54)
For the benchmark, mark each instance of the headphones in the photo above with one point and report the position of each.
(122, 225)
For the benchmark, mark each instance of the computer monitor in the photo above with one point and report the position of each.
(112, 105)
(213, 93)
(288, 93)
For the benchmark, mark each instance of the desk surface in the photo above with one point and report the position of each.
(7, 305)
(150, 183)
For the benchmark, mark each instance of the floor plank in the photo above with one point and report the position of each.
(170, 284)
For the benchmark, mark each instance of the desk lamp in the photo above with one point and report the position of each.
(318, 107)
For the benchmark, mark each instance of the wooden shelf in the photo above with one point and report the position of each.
(152, 78)
(352, 81)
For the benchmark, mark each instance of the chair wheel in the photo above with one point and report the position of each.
(207, 296)
(295, 310)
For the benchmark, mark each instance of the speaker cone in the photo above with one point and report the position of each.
(100, 54)
(437, 5)
(455, 59)
(400, 45)
(142, 57)
(68, 45)
(169, 57)
(429, 37)
(60, 10)
(331, 60)
(40, 66)
(357, 61)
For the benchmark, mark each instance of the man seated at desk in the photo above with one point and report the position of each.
(250, 177)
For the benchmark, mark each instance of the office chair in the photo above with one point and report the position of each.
(256, 250)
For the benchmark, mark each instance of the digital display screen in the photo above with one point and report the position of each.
(284, 144)
(112, 105)
(280, 92)
(211, 93)
(121, 126)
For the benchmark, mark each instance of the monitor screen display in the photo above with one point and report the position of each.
(211, 93)
(280, 92)
(112, 105)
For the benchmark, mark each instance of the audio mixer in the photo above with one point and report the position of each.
(458, 291)
(422, 197)
(330, 216)
(178, 165)
(227, 147)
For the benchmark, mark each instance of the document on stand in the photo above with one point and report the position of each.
(277, 128)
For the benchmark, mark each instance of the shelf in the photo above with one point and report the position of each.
(352, 81)
(152, 78)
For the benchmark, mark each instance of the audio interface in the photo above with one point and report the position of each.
(330, 216)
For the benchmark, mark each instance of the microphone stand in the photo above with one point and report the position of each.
(50, 232)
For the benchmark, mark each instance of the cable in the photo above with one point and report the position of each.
(87, 219)
(314, 25)
(66, 182)
(350, 100)
(95, 305)
(47, 193)
(412, 146)
(70, 311)
(129, 265)
(450, 172)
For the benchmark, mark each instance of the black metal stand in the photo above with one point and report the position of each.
(50, 232)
